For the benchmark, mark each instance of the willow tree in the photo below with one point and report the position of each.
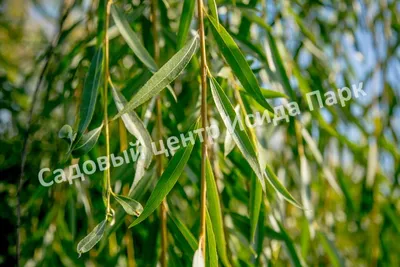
(204, 133)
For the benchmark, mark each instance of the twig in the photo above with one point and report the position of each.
(203, 73)
(105, 95)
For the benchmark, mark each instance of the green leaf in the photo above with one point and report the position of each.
(280, 67)
(89, 95)
(290, 246)
(91, 239)
(390, 213)
(272, 94)
(163, 77)
(274, 51)
(240, 137)
(215, 213)
(183, 234)
(255, 205)
(131, 206)
(166, 182)
(212, 5)
(184, 24)
(276, 184)
(229, 144)
(211, 246)
(319, 159)
(136, 127)
(66, 133)
(238, 63)
(330, 249)
(87, 142)
(132, 39)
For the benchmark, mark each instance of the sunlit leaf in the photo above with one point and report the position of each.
(164, 76)
(211, 247)
(238, 63)
(185, 21)
(215, 213)
(277, 185)
(132, 39)
(166, 182)
(135, 126)
(242, 140)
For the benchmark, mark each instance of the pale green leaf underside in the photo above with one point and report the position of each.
(240, 137)
(131, 206)
(88, 242)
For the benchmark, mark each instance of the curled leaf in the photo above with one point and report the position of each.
(87, 142)
(131, 206)
(66, 133)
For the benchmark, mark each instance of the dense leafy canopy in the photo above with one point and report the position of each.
(321, 188)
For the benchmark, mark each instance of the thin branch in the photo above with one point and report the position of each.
(159, 129)
(105, 95)
(203, 73)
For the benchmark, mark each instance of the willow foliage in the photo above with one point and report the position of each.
(241, 133)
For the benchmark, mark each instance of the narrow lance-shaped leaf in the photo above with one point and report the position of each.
(91, 239)
(295, 257)
(87, 142)
(164, 76)
(132, 39)
(136, 127)
(277, 59)
(166, 182)
(89, 95)
(318, 157)
(238, 63)
(215, 214)
(185, 236)
(229, 144)
(212, 5)
(211, 247)
(276, 184)
(255, 205)
(330, 249)
(240, 136)
(131, 206)
(184, 24)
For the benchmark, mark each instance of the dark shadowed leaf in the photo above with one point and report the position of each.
(89, 95)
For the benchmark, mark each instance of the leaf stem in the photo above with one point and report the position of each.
(203, 73)
(159, 129)
(106, 128)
